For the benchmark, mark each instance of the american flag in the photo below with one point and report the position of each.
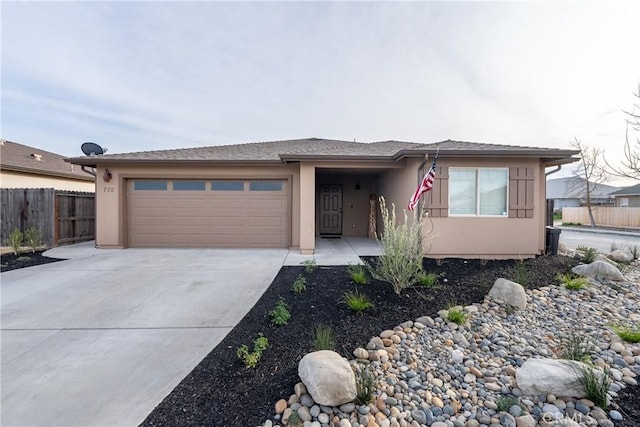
(425, 185)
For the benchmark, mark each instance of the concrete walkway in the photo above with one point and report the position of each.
(337, 251)
(102, 338)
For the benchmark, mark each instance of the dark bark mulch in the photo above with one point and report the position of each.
(220, 391)
(629, 402)
(10, 262)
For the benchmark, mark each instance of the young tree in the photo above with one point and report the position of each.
(630, 166)
(590, 172)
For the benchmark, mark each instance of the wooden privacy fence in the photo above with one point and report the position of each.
(60, 216)
(603, 215)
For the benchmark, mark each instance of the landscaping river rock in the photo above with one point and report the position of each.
(432, 372)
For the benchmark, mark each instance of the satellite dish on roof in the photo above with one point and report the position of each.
(92, 149)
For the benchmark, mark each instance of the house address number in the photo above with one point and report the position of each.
(109, 189)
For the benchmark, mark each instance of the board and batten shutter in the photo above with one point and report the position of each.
(438, 197)
(521, 184)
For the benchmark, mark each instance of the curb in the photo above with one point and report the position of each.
(600, 231)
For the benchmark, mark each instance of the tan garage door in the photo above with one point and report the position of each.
(208, 213)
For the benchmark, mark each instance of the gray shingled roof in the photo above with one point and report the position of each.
(574, 187)
(298, 149)
(634, 190)
(22, 158)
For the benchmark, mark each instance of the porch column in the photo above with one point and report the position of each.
(307, 208)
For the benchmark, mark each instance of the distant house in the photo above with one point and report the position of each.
(571, 192)
(627, 197)
(22, 166)
(487, 200)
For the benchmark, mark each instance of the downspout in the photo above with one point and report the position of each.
(557, 169)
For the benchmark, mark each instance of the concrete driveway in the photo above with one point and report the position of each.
(102, 338)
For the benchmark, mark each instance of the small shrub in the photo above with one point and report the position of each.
(357, 273)
(32, 238)
(14, 240)
(251, 359)
(429, 280)
(365, 386)
(588, 254)
(401, 261)
(300, 285)
(295, 420)
(456, 315)
(520, 273)
(280, 314)
(574, 347)
(506, 402)
(573, 283)
(323, 338)
(627, 333)
(357, 301)
(309, 265)
(596, 385)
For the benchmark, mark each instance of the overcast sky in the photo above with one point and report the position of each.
(135, 76)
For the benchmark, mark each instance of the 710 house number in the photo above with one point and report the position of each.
(108, 189)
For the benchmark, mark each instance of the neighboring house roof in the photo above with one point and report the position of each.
(327, 149)
(22, 158)
(634, 190)
(574, 187)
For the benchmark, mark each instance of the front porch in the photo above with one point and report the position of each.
(337, 251)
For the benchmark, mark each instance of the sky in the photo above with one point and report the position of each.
(137, 76)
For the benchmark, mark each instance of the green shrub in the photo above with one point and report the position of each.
(14, 240)
(357, 301)
(573, 283)
(251, 359)
(506, 402)
(365, 386)
(588, 254)
(309, 265)
(574, 347)
(401, 261)
(300, 285)
(280, 314)
(323, 338)
(627, 333)
(32, 238)
(520, 274)
(357, 273)
(596, 385)
(295, 420)
(429, 280)
(456, 315)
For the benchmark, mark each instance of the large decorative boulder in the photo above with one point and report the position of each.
(563, 249)
(551, 376)
(598, 269)
(328, 377)
(509, 292)
(601, 257)
(621, 256)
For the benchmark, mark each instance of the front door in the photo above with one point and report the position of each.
(331, 210)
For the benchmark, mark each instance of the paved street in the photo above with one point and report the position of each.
(603, 242)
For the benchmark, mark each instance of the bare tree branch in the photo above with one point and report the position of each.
(630, 166)
(590, 172)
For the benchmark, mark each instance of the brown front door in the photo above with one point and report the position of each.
(331, 210)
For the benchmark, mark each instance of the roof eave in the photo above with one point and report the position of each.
(47, 173)
(341, 157)
(92, 161)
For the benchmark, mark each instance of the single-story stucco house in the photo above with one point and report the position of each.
(571, 192)
(627, 197)
(487, 200)
(22, 166)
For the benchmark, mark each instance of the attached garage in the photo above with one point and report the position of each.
(208, 213)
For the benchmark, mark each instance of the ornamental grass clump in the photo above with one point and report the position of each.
(596, 384)
(32, 238)
(627, 332)
(323, 338)
(357, 273)
(365, 386)
(401, 261)
(357, 301)
(14, 240)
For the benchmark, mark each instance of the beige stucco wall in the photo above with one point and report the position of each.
(11, 179)
(111, 214)
(489, 237)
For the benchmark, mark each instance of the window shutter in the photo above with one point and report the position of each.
(438, 204)
(521, 203)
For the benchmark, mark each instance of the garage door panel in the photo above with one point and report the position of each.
(167, 218)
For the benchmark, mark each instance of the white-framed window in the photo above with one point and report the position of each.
(624, 202)
(478, 191)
